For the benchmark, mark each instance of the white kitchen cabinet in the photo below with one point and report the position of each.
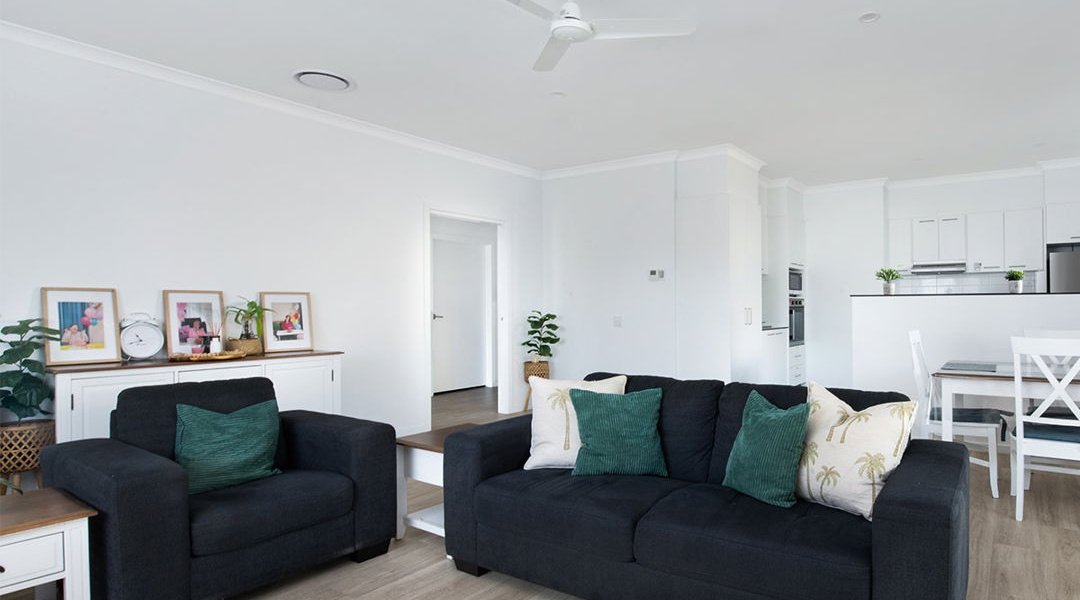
(986, 242)
(796, 231)
(924, 240)
(1063, 223)
(1025, 249)
(900, 244)
(746, 286)
(86, 394)
(797, 365)
(774, 357)
(951, 239)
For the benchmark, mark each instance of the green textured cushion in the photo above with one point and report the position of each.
(218, 450)
(764, 461)
(618, 433)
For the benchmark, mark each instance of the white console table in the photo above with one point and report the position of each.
(86, 394)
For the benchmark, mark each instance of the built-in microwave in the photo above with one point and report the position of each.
(795, 281)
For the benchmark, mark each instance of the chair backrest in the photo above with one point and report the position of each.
(1053, 334)
(146, 416)
(924, 383)
(1060, 371)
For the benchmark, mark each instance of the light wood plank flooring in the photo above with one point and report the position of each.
(1038, 559)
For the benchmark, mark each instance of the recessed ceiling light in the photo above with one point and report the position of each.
(869, 17)
(322, 80)
(557, 94)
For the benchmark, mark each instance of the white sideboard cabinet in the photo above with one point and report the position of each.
(86, 394)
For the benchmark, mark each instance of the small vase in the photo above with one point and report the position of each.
(215, 345)
(1016, 287)
(889, 289)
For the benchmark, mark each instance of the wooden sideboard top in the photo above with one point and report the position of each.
(164, 362)
(40, 508)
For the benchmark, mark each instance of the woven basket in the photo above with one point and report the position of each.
(249, 347)
(539, 368)
(21, 444)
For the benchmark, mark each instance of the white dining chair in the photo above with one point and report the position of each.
(985, 423)
(1042, 437)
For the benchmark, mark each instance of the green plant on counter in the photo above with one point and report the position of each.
(246, 315)
(887, 275)
(1014, 275)
(542, 336)
(22, 389)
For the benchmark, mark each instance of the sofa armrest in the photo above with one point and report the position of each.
(470, 457)
(363, 451)
(920, 528)
(139, 541)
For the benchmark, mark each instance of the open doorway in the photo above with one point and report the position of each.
(464, 319)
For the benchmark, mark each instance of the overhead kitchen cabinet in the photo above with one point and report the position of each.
(1025, 249)
(1063, 223)
(986, 242)
(938, 240)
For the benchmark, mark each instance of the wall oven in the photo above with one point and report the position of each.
(796, 322)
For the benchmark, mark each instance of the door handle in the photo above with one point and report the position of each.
(435, 316)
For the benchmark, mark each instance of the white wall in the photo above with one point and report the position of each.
(995, 192)
(603, 232)
(845, 245)
(139, 183)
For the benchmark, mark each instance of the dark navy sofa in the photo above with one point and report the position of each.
(688, 537)
(152, 541)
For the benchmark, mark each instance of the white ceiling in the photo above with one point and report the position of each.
(935, 87)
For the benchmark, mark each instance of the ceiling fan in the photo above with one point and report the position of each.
(568, 28)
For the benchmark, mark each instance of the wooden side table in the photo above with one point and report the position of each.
(43, 538)
(420, 457)
(540, 368)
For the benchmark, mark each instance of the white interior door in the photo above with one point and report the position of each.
(459, 350)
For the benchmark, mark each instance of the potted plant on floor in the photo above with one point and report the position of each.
(888, 277)
(23, 392)
(542, 337)
(250, 317)
(1016, 281)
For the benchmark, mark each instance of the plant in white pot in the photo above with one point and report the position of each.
(1016, 281)
(23, 391)
(888, 277)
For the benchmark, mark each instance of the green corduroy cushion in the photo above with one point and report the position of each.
(619, 434)
(218, 449)
(764, 461)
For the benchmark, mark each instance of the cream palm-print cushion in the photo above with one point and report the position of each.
(848, 455)
(555, 439)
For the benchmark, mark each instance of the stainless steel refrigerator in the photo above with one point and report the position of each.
(1064, 268)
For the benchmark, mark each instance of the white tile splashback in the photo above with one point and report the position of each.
(964, 283)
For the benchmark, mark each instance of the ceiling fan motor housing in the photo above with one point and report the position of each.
(569, 27)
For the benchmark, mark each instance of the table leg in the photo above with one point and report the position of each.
(947, 394)
(402, 492)
(77, 573)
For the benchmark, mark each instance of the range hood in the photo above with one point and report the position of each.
(938, 267)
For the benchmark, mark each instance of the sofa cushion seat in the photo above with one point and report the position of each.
(595, 514)
(714, 534)
(243, 515)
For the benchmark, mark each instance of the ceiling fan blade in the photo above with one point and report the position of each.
(534, 8)
(620, 29)
(551, 54)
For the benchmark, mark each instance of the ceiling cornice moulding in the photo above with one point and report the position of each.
(965, 178)
(847, 185)
(612, 165)
(727, 150)
(787, 182)
(124, 62)
(1062, 163)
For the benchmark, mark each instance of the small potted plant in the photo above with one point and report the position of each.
(888, 277)
(1016, 281)
(250, 318)
(542, 336)
(23, 392)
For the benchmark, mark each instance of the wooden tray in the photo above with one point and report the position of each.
(226, 355)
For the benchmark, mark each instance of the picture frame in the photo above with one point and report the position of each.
(88, 324)
(287, 325)
(191, 315)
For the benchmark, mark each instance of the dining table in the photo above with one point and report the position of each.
(992, 379)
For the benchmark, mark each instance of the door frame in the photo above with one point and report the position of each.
(502, 299)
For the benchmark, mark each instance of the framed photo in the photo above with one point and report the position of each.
(287, 326)
(189, 317)
(86, 318)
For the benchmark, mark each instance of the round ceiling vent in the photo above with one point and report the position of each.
(321, 80)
